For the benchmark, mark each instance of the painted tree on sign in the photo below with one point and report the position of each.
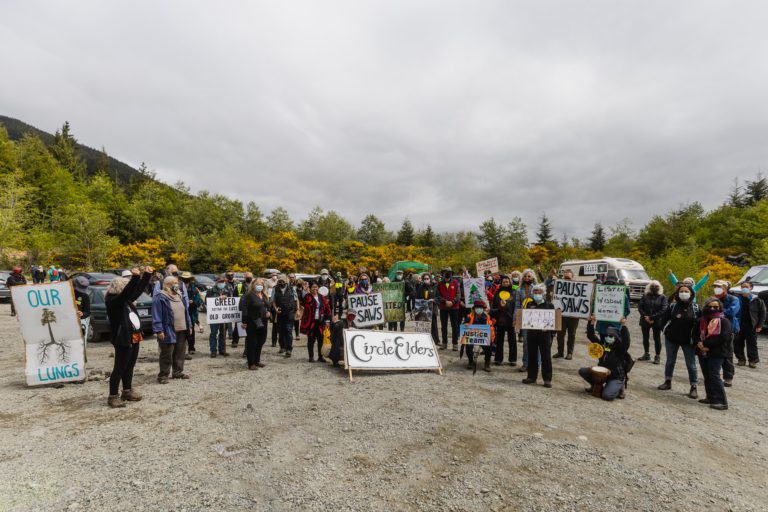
(48, 318)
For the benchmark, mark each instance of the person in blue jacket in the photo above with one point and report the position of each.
(171, 324)
(731, 311)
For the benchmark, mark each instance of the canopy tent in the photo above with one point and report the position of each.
(407, 266)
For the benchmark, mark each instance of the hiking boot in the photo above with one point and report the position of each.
(455, 347)
(656, 359)
(114, 401)
(753, 365)
(569, 356)
(728, 383)
(162, 380)
(252, 367)
(213, 354)
(741, 362)
(558, 355)
(693, 393)
(130, 395)
(260, 365)
(667, 385)
(547, 384)
(704, 401)
(645, 357)
(281, 351)
(621, 396)
(183, 376)
(487, 367)
(529, 381)
(287, 353)
(719, 407)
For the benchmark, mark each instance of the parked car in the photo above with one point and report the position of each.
(204, 282)
(758, 276)
(100, 322)
(95, 278)
(5, 292)
(631, 272)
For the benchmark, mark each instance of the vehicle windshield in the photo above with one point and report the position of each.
(634, 275)
(97, 295)
(760, 278)
(205, 281)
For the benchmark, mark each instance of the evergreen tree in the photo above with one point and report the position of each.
(427, 237)
(544, 234)
(736, 197)
(406, 235)
(492, 237)
(64, 150)
(279, 220)
(372, 230)
(756, 190)
(597, 240)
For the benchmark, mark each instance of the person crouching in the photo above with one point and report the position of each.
(615, 344)
(478, 316)
(171, 324)
(539, 342)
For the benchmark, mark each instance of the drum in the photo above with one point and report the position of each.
(600, 375)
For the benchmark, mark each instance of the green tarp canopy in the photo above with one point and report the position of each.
(406, 266)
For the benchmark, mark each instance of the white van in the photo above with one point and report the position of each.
(622, 269)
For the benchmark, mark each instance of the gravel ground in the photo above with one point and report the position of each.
(299, 436)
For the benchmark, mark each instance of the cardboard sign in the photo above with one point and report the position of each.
(384, 350)
(538, 319)
(475, 334)
(423, 309)
(491, 265)
(573, 298)
(474, 289)
(53, 336)
(609, 302)
(223, 310)
(369, 309)
(394, 300)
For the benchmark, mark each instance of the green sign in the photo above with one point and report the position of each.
(394, 300)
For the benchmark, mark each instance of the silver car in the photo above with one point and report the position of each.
(5, 292)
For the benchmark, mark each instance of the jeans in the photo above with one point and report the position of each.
(172, 355)
(453, 315)
(611, 389)
(254, 341)
(540, 344)
(747, 337)
(570, 325)
(689, 352)
(125, 360)
(285, 331)
(218, 331)
(710, 367)
(509, 332)
(646, 328)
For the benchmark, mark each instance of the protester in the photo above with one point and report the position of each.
(238, 290)
(15, 278)
(53, 274)
(82, 298)
(392, 326)
(285, 303)
(449, 303)
(171, 324)
(270, 283)
(255, 306)
(523, 297)
(338, 299)
(680, 317)
(217, 340)
(751, 323)
(195, 301)
(427, 290)
(125, 332)
(38, 274)
(712, 332)
(316, 316)
(688, 281)
(539, 341)
(731, 307)
(652, 306)
(364, 285)
(503, 314)
(478, 316)
(569, 325)
(337, 337)
(615, 344)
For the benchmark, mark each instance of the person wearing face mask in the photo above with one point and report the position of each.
(238, 290)
(652, 307)
(615, 343)
(316, 315)
(218, 335)
(449, 303)
(539, 342)
(514, 276)
(731, 307)
(286, 303)
(255, 306)
(426, 290)
(751, 322)
(478, 316)
(569, 325)
(170, 270)
(503, 314)
(270, 283)
(338, 302)
(363, 285)
(712, 332)
(523, 297)
(679, 317)
(337, 336)
(195, 301)
(171, 324)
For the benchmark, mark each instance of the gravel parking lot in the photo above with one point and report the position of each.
(299, 436)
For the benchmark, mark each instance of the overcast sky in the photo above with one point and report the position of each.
(445, 112)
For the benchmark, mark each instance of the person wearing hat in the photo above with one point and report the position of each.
(712, 333)
(479, 316)
(688, 281)
(615, 344)
(539, 341)
(286, 303)
(449, 303)
(82, 299)
(731, 307)
(15, 278)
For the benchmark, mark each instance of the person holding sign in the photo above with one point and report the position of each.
(125, 332)
(570, 325)
(523, 297)
(613, 345)
(539, 341)
(219, 331)
(316, 316)
(503, 314)
(449, 302)
(172, 324)
(478, 316)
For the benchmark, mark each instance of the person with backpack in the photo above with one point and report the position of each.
(569, 326)
(712, 333)
(503, 314)
(678, 321)
(752, 319)
(53, 274)
(615, 343)
(539, 341)
(478, 316)
(652, 307)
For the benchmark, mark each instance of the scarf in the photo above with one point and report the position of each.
(709, 326)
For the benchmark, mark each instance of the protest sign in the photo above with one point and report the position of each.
(393, 295)
(573, 298)
(53, 337)
(384, 350)
(369, 309)
(538, 319)
(474, 289)
(222, 310)
(609, 302)
(491, 265)
(422, 315)
(475, 334)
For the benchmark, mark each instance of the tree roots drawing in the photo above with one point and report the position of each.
(50, 347)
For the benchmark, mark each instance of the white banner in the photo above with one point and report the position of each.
(491, 265)
(609, 302)
(384, 350)
(369, 309)
(222, 310)
(538, 319)
(573, 298)
(55, 351)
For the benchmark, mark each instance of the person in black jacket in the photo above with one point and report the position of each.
(426, 289)
(539, 341)
(255, 307)
(712, 333)
(16, 278)
(503, 314)
(752, 320)
(652, 307)
(125, 332)
(337, 337)
(681, 315)
(286, 303)
(615, 343)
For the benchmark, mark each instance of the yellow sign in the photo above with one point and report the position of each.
(504, 295)
(595, 350)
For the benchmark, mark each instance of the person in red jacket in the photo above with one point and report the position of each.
(449, 302)
(317, 314)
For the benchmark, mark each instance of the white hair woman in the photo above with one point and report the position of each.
(255, 307)
(652, 307)
(125, 332)
(172, 324)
